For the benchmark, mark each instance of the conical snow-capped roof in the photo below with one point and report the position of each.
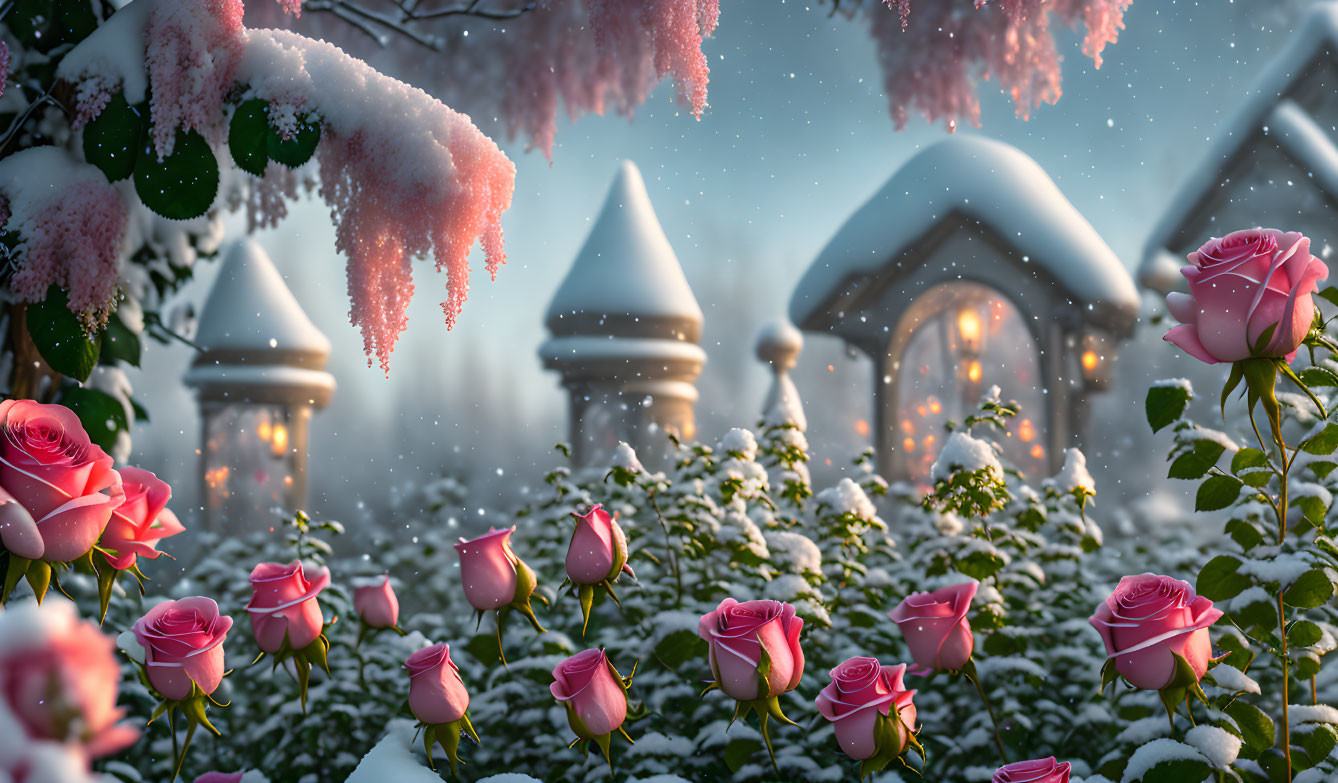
(258, 344)
(250, 308)
(626, 280)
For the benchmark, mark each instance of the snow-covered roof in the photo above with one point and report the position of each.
(251, 309)
(258, 344)
(1266, 112)
(626, 267)
(985, 181)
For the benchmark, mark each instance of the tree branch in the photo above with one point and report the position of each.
(380, 27)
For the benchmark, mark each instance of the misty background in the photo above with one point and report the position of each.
(796, 138)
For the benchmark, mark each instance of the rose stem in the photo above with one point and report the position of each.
(994, 723)
(1281, 510)
(673, 557)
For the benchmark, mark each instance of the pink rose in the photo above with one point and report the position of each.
(220, 777)
(598, 549)
(284, 603)
(488, 569)
(860, 690)
(1239, 286)
(375, 602)
(58, 682)
(183, 644)
(592, 692)
(57, 488)
(436, 693)
(141, 520)
(1150, 619)
(1038, 771)
(935, 627)
(737, 633)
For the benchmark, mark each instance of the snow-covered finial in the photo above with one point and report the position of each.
(778, 346)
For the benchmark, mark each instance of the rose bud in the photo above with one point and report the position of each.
(436, 692)
(494, 578)
(58, 682)
(1038, 771)
(863, 692)
(488, 569)
(598, 549)
(935, 626)
(284, 604)
(739, 633)
(375, 602)
(595, 696)
(57, 488)
(183, 646)
(1150, 620)
(141, 520)
(1240, 286)
(437, 698)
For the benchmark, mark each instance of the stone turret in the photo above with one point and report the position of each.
(625, 329)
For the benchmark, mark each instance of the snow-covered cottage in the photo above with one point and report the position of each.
(1273, 162)
(260, 375)
(970, 269)
(625, 329)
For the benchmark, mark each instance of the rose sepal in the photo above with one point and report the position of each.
(448, 736)
(584, 736)
(526, 582)
(1184, 683)
(890, 747)
(314, 654)
(193, 708)
(365, 630)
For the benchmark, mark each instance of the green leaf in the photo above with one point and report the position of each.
(979, 565)
(248, 136)
(1178, 771)
(118, 342)
(738, 751)
(1256, 728)
(483, 647)
(1312, 589)
(111, 139)
(1216, 493)
(1317, 740)
(1196, 461)
(1219, 579)
(99, 412)
(60, 338)
(184, 184)
(1248, 458)
(1244, 533)
(1318, 376)
(297, 150)
(1329, 294)
(141, 413)
(1165, 404)
(1304, 633)
(1324, 442)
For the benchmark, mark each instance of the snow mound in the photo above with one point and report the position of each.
(393, 758)
(965, 453)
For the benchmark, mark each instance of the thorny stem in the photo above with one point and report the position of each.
(974, 677)
(668, 545)
(1281, 510)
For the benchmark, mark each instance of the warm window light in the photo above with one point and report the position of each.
(973, 372)
(969, 328)
(861, 427)
(279, 444)
(1090, 360)
(908, 444)
(265, 431)
(907, 426)
(1026, 430)
(1037, 451)
(934, 406)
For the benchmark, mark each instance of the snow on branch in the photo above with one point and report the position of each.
(403, 174)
